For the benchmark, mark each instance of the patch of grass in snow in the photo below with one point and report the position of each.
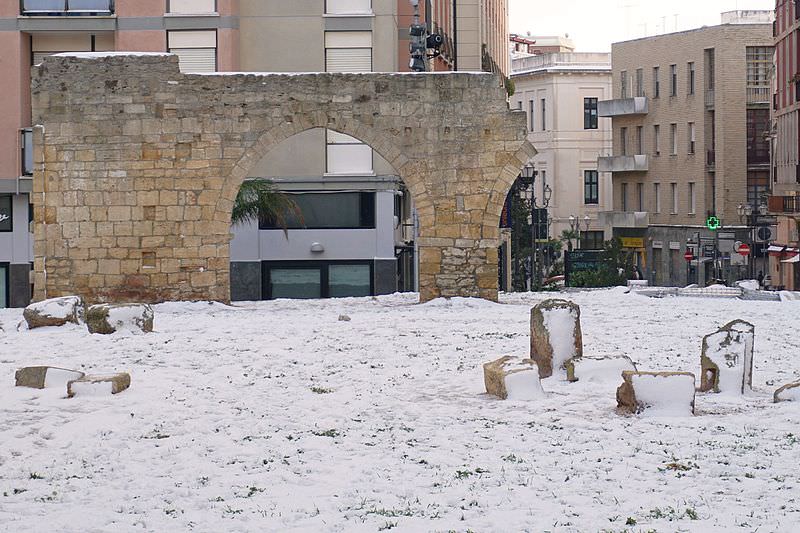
(387, 525)
(36, 475)
(321, 390)
(391, 513)
(327, 433)
(671, 514)
(464, 474)
(511, 458)
(678, 467)
(252, 491)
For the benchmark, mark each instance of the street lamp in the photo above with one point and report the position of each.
(528, 193)
(575, 225)
(748, 215)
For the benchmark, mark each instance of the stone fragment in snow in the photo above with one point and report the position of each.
(727, 358)
(788, 393)
(99, 385)
(344, 318)
(555, 335)
(108, 318)
(39, 377)
(54, 312)
(599, 369)
(513, 378)
(658, 393)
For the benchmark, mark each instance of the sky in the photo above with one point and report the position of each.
(594, 24)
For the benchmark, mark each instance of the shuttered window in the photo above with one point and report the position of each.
(348, 51)
(196, 50)
(347, 155)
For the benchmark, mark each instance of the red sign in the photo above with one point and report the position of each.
(744, 249)
(688, 255)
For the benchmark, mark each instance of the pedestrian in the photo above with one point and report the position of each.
(760, 278)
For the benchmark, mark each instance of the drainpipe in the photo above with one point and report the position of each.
(455, 35)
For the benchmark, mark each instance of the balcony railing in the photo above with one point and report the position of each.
(623, 106)
(49, 8)
(758, 95)
(784, 204)
(710, 98)
(26, 146)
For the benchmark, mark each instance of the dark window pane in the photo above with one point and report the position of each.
(329, 211)
(296, 283)
(3, 286)
(5, 213)
(349, 280)
(591, 189)
(590, 113)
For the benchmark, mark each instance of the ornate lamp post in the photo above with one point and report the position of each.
(575, 225)
(748, 215)
(528, 193)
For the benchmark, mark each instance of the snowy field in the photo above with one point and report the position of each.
(276, 416)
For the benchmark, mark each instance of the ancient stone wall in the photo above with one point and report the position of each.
(138, 165)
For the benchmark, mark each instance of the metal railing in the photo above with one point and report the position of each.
(758, 95)
(26, 148)
(784, 204)
(709, 97)
(66, 7)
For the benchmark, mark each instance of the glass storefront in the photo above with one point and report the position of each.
(316, 279)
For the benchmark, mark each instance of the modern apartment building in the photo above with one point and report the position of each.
(784, 267)
(356, 236)
(560, 92)
(690, 119)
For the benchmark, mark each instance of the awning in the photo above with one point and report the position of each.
(782, 251)
(795, 259)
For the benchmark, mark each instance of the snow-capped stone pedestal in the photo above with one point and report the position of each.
(727, 358)
(598, 369)
(54, 312)
(99, 385)
(555, 335)
(658, 393)
(513, 378)
(788, 393)
(39, 377)
(108, 318)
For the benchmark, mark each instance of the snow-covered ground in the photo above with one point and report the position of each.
(276, 416)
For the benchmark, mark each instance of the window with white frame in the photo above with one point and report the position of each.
(691, 138)
(657, 197)
(531, 114)
(624, 197)
(348, 51)
(673, 139)
(674, 192)
(657, 139)
(347, 155)
(692, 199)
(543, 112)
(196, 50)
(348, 7)
(191, 7)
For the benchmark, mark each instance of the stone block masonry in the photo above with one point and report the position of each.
(137, 167)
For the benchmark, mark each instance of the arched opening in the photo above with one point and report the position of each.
(352, 232)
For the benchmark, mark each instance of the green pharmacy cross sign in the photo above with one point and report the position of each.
(713, 223)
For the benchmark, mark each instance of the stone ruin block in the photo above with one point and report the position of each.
(40, 377)
(108, 318)
(788, 393)
(659, 393)
(727, 359)
(99, 385)
(54, 312)
(555, 335)
(599, 369)
(512, 378)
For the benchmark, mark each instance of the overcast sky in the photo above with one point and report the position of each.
(595, 24)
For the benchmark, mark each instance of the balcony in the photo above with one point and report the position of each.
(50, 8)
(784, 204)
(623, 163)
(710, 98)
(624, 219)
(622, 107)
(758, 95)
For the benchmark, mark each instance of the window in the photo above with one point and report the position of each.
(657, 139)
(691, 138)
(340, 210)
(196, 50)
(316, 279)
(690, 77)
(673, 139)
(623, 141)
(591, 187)
(709, 54)
(348, 7)
(624, 197)
(191, 7)
(590, 113)
(757, 186)
(543, 178)
(592, 240)
(27, 152)
(639, 139)
(71, 7)
(531, 115)
(348, 51)
(758, 126)
(673, 80)
(657, 197)
(544, 114)
(674, 192)
(692, 199)
(656, 83)
(623, 84)
(640, 196)
(639, 82)
(345, 155)
(6, 214)
(759, 63)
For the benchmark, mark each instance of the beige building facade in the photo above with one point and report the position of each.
(560, 93)
(690, 113)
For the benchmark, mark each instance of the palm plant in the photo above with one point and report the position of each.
(260, 198)
(567, 235)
